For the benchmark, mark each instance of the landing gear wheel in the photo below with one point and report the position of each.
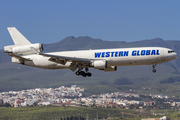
(154, 70)
(84, 75)
(77, 73)
(88, 74)
(81, 72)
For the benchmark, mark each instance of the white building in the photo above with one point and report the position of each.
(28, 103)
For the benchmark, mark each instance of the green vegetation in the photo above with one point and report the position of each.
(50, 112)
(171, 89)
(64, 113)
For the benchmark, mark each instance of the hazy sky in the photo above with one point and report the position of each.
(43, 21)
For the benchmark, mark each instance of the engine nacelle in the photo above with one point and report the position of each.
(110, 68)
(16, 60)
(25, 49)
(102, 65)
(99, 64)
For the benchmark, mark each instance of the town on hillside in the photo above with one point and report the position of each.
(73, 96)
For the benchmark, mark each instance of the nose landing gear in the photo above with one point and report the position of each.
(154, 70)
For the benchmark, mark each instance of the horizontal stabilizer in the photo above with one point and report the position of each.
(18, 57)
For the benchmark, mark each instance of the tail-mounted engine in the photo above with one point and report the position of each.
(22, 50)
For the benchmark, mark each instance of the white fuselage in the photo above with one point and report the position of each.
(114, 57)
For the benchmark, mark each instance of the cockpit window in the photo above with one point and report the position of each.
(170, 51)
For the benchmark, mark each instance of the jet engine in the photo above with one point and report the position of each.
(22, 50)
(99, 64)
(102, 65)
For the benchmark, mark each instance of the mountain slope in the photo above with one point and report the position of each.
(17, 77)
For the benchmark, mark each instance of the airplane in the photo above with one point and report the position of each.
(26, 53)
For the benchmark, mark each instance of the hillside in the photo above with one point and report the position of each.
(18, 77)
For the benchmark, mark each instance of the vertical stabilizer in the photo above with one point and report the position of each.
(17, 37)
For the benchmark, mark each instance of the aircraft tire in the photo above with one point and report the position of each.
(81, 72)
(88, 74)
(84, 74)
(77, 73)
(154, 70)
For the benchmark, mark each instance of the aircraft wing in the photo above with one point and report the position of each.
(63, 59)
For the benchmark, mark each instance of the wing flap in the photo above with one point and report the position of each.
(57, 60)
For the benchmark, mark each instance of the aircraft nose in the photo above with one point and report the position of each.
(176, 55)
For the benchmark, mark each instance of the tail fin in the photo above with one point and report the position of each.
(17, 37)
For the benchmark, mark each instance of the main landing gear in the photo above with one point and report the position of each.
(84, 74)
(154, 70)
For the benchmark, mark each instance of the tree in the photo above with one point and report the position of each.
(6, 105)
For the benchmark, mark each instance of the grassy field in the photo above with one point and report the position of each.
(50, 112)
(76, 113)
